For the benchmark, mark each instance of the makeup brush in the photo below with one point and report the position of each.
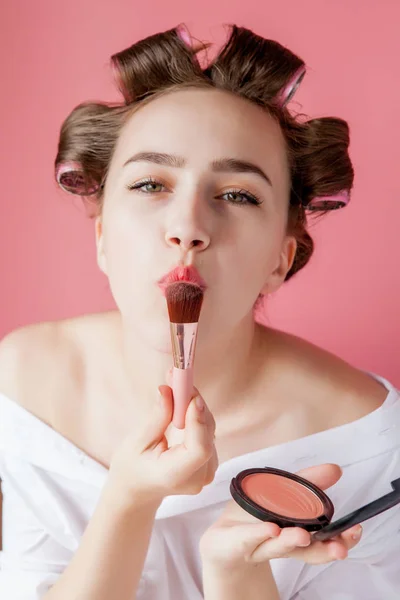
(184, 304)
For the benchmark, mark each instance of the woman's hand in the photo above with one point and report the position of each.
(144, 469)
(237, 538)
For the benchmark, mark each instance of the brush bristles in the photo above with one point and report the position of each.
(184, 302)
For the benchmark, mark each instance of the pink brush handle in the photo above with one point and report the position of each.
(182, 387)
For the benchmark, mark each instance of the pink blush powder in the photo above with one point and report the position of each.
(282, 496)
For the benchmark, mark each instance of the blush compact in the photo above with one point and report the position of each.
(290, 501)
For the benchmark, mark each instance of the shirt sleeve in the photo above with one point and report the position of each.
(351, 580)
(371, 571)
(32, 560)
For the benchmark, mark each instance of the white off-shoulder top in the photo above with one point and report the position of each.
(51, 488)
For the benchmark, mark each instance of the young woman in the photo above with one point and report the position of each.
(203, 167)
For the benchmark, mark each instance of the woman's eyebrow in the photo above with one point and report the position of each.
(221, 165)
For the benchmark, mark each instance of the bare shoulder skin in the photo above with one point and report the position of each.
(44, 367)
(305, 390)
(31, 359)
(59, 372)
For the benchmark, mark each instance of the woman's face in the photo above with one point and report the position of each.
(192, 210)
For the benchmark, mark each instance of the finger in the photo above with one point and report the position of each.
(241, 540)
(160, 419)
(205, 475)
(324, 476)
(201, 477)
(208, 413)
(351, 537)
(330, 550)
(198, 444)
(281, 546)
(320, 553)
(212, 467)
(198, 436)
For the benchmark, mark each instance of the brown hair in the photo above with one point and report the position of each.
(247, 65)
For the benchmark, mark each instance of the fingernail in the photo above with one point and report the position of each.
(200, 403)
(357, 534)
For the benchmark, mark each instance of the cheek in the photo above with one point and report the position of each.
(130, 251)
(134, 255)
(252, 259)
(130, 245)
(132, 274)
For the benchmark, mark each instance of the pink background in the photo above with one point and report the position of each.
(55, 55)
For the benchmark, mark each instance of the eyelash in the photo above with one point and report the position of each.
(250, 198)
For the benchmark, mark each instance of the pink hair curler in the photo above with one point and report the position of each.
(71, 179)
(288, 91)
(329, 202)
(183, 32)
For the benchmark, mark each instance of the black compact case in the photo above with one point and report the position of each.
(321, 526)
(261, 513)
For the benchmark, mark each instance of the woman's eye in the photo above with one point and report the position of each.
(246, 197)
(150, 184)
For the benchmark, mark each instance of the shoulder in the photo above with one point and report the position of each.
(42, 362)
(22, 352)
(335, 391)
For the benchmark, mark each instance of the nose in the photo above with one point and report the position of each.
(187, 230)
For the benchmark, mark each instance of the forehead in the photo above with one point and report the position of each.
(203, 124)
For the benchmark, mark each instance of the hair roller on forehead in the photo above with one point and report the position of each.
(260, 70)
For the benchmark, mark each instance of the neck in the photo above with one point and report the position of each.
(224, 367)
